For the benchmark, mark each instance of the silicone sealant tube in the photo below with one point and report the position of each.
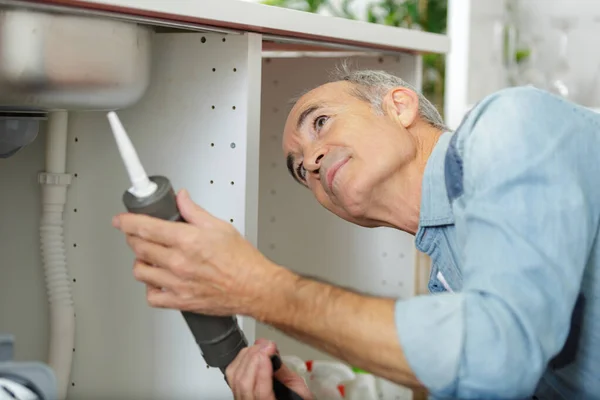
(219, 338)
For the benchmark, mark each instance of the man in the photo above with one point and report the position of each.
(507, 207)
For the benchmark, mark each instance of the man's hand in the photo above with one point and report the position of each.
(203, 266)
(250, 375)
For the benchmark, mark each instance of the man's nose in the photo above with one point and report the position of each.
(313, 163)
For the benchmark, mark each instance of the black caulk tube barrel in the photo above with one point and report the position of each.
(220, 338)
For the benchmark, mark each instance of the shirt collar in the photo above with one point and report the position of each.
(435, 206)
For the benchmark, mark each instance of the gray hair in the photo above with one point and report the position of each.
(371, 86)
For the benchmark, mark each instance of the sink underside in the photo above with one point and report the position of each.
(56, 61)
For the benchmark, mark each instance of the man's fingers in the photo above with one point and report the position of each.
(293, 381)
(151, 229)
(250, 375)
(244, 372)
(159, 298)
(156, 277)
(245, 376)
(192, 212)
(152, 253)
(233, 367)
(261, 341)
(151, 290)
(263, 387)
(285, 375)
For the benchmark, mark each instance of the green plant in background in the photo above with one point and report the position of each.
(426, 15)
(312, 6)
(514, 51)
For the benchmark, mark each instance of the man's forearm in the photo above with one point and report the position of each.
(355, 328)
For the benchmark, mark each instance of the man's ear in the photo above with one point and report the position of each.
(402, 104)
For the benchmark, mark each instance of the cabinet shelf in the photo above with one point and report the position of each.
(275, 22)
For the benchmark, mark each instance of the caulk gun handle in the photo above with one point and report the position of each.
(281, 391)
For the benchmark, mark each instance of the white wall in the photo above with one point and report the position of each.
(473, 71)
(583, 42)
(536, 16)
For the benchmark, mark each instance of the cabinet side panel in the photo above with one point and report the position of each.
(191, 126)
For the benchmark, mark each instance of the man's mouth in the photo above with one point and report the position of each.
(332, 172)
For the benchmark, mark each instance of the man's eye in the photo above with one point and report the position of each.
(301, 172)
(320, 122)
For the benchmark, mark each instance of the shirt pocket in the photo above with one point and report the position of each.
(445, 273)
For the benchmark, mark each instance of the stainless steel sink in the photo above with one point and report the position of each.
(76, 62)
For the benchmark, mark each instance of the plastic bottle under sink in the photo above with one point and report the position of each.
(296, 364)
(326, 379)
(362, 387)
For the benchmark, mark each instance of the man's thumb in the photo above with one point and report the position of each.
(190, 211)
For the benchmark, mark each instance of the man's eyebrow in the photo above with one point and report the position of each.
(290, 167)
(309, 110)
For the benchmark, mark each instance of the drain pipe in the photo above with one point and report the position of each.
(54, 183)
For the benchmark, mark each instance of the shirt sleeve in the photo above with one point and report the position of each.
(526, 230)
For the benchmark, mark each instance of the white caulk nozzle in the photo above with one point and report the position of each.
(141, 186)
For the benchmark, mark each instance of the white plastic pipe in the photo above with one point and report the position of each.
(54, 195)
(56, 144)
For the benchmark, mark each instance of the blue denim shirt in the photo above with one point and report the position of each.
(510, 217)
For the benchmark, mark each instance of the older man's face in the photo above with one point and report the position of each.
(343, 151)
